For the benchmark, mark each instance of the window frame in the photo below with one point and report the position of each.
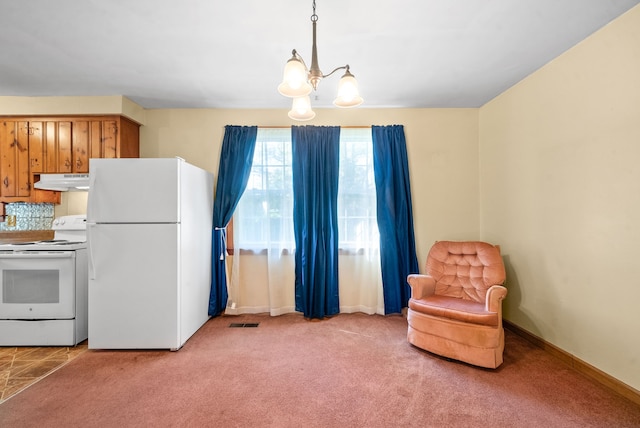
(231, 250)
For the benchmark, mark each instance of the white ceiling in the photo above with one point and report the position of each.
(230, 54)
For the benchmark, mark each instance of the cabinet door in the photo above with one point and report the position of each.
(128, 139)
(58, 143)
(115, 138)
(14, 158)
(81, 132)
(61, 145)
(91, 139)
(95, 139)
(103, 135)
(50, 146)
(103, 138)
(37, 149)
(109, 144)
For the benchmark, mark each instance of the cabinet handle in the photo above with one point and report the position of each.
(30, 130)
(6, 182)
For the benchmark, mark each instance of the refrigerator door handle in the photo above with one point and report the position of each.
(92, 266)
(91, 200)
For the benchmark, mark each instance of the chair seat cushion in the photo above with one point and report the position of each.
(456, 309)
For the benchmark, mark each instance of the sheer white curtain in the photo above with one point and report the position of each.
(263, 266)
(263, 274)
(360, 280)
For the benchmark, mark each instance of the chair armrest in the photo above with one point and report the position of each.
(495, 295)
(421, 285)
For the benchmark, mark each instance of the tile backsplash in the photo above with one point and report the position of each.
(27, 216)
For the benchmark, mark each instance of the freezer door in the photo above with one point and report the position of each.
(133, 286)
(134, 191)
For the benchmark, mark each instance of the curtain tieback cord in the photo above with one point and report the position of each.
(223, 240)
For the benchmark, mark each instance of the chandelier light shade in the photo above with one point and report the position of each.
(301, 109)
(348, 94)
(295, 84)
(298, 81)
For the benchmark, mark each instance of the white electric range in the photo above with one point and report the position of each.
(43, 288)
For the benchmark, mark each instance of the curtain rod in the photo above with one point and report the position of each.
(286, 127)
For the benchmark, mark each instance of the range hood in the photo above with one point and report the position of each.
(63, 182)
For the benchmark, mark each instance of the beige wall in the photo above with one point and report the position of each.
(116, 104)
(442, 146)
(560, 191)
(71, 203)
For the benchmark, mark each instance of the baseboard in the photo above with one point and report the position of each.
(577, 364)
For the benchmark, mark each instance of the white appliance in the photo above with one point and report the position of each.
(43, 297)
(63, 182)
(149, 224)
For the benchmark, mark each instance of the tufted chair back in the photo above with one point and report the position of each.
(465, 270)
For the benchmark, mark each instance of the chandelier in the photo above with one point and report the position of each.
(299, 81)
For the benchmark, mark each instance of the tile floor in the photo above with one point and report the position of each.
(23, 366)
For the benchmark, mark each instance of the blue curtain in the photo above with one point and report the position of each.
(395, 215)
(236, 158)
(315, 158)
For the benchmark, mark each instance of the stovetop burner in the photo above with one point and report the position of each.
(69, 234)
(49, 242)
(61, 242)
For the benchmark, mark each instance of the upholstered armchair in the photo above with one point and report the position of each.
(455, 309)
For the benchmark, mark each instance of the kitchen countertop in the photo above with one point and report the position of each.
(11, 236)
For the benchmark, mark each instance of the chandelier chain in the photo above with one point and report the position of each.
(314, 17)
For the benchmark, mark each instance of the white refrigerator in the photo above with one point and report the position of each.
(149, 224)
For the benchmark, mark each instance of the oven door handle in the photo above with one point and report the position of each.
(38, 255)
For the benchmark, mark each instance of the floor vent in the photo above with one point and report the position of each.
(246, 324)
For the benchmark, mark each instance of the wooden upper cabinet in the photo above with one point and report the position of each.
(31, 146)
(65, 146)
(14, 159)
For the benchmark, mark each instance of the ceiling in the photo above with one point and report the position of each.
(231, 54)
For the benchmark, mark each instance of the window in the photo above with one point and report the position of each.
(264, 217)
(357, 225)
